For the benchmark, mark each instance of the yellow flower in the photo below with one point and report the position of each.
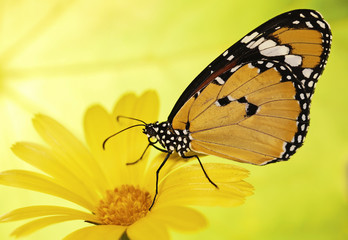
(112, 197)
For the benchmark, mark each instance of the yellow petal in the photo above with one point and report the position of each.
(71, 151)
(148, 228)
(124, 107)
(144, 108)
(180, 218)
(173, 162)
(45, 160)
(99, 125)
(102, 232)
(124, 141)
(188, 185)
(205, 194)
(40, 211)
(38, 224)
(41, 183)
(219, 172)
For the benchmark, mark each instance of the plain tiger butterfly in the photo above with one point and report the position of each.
(251, 104)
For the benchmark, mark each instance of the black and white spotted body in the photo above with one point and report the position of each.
(170, 139)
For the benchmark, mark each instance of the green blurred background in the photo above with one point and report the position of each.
(59, 57)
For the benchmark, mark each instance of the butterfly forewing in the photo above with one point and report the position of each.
(251, 104)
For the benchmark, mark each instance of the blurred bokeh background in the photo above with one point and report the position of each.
(58, 57)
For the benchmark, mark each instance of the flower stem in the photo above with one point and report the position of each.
(124, 236)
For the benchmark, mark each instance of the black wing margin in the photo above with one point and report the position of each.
(248, 49)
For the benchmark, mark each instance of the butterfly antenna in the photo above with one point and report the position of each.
(113, 135)
(135, 119)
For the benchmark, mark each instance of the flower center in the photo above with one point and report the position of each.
(123, 206)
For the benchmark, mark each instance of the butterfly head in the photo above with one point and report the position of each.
(151, 130)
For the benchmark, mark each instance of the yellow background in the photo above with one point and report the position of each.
(59, 57)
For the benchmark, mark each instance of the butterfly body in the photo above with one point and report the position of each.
(170, 139)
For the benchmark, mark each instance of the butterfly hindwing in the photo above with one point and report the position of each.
(251, 104)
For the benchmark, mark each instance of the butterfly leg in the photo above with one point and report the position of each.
(157, 175)
(142, 155)
(205, 173)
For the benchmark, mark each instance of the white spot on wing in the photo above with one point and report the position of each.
(304, 106)
(249, 44)
(250, 65)
(269, 65)
(220, 80)
(307, 72)
(310, 84)
(225, 53)
(275, 51)
(299, 138)
(267, 44)
(250, 37)
(309, 24)
(314, 15)
(256, 43)
(230, 58)
(321, 24)
(303, 117)
(230, 98)
(235, 68)
(293, 60)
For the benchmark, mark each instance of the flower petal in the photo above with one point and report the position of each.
(219, 172)
(99, 125)
(105, 232)
(205, 194)
(148, 228)
(188, 185)
(144, 108)
(41, 183)
(45, 160)
(125, 147)
(174, 162)
(40, 211)
(180, 218)
(38, 224)
(71, 151)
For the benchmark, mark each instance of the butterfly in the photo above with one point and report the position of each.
(251, 104)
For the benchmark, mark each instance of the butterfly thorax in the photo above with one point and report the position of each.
(171, 139)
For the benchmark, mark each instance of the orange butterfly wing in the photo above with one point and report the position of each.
(254, 107)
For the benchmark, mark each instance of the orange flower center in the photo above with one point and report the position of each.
(123, 206)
